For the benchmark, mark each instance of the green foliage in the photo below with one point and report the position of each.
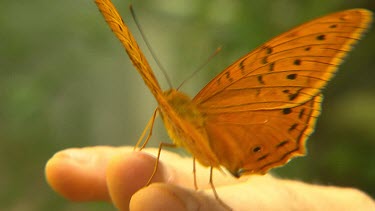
(65, 81)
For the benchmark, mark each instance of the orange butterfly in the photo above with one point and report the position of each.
(258, 113)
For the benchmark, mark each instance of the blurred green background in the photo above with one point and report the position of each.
(65, 81)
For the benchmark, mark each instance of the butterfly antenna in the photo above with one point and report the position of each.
(200, 67)
(149, 47)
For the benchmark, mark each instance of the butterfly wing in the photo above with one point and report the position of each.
(288, 70)
(261, 109)
(119, 28)
(255, 141)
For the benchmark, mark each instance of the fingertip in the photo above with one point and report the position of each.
(128, 173)
(161, 196)
(69, 173)
(157, 196)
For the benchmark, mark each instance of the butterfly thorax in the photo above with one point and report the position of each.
(184, 107)
(185, 126)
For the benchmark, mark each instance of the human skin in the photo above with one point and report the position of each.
(119, 174)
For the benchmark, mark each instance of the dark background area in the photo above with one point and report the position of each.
(65, 81)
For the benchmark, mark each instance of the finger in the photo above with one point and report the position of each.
(161, 196)
(126, 174)
(261, 192)
(79, 174)
(182, 168)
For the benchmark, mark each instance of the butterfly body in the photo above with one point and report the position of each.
(185, 124)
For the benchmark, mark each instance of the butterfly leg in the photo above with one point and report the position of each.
(150, 125)
(215, 193)
(195, 175)
(161, 145)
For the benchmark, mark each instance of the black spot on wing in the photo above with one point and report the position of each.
(297, 62)
(265, 60)
(287, 111)
(301, 112)
(293, 96)
(321, 37)
(292, 127)
(271, 66)
(291, 76)
(257, 149)
(269, 50)
(333, 26)
(228, 76)
(260, 79)
(263, 157)
(281, 144)
(242, 67)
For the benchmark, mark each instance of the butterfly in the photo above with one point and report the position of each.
(258, 113)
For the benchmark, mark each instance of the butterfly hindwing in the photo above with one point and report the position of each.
(255, 141)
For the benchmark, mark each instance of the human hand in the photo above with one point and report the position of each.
(119, 174)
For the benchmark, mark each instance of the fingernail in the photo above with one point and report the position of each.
(76, 155)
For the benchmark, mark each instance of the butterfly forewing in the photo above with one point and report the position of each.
(288, 70)
(119, 28)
